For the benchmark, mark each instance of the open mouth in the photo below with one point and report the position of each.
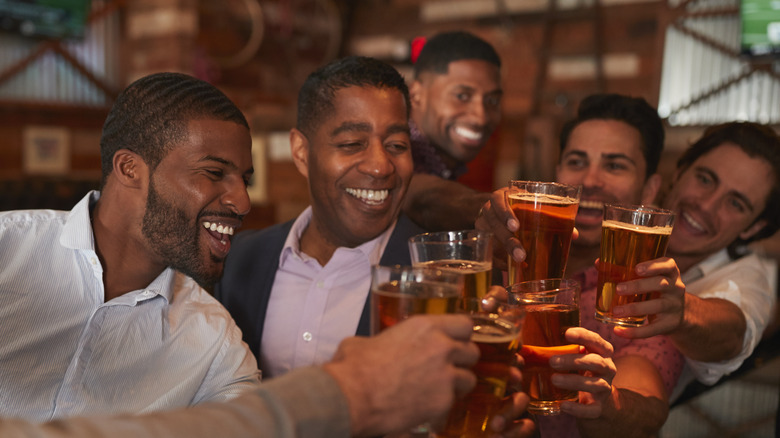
(693, 223)
(371, 197)
(220, 236)
(468, 133)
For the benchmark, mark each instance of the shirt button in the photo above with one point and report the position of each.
(320, 284)
(307, 336)
(93, 261)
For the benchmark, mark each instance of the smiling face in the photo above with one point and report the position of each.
(459, 110)
(358, 163)
(717, 199)
(605, 156)
(197, 198)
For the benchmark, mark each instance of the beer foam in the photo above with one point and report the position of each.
(492, 338)
(665, 230)
(544, 198)
(459, 266)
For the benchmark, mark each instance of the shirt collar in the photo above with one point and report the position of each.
(77, 234)
(372, 249)
(706, 266)
(77, 231)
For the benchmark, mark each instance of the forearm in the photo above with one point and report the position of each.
(713, 329)
(303, 403)
(437, 204)
(631, 414)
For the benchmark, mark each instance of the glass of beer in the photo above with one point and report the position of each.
(467, 252)
(551, 307)
(496, 333)
(629, 235)
(546, 212)
(398, 292)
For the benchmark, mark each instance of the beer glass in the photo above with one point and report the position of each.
(629, 235)
(546, 212)
(496, 333)
(551, 307)
(467, 252)
(398, 292)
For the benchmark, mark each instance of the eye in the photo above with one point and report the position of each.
(737, 205)
(463, 97)
(575, 163)
(216, 173)
(493, 101)
(616, 166)
(703, 178)
(397, 147)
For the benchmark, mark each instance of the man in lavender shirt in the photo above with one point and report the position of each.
(297, 289)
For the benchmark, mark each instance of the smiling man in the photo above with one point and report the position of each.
(717, 297)
(102, 306)
(456, 105)
(297, 289)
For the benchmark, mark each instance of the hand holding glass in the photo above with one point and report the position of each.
(551, 307)
(629, 235)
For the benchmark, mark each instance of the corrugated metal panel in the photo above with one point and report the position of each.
(52, 79)
(704, 81)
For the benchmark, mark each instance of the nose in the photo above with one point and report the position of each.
(592, 178)
(376, 161)
(236, 197)
(478, 112)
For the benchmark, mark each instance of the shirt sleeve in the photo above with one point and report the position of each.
(661, 352)
(304, 403)
(746, 283)
(233, 371)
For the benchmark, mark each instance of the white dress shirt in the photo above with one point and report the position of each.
(65, 351)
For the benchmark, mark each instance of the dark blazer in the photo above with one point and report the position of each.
(250, 270)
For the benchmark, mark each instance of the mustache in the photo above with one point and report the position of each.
(225, 214)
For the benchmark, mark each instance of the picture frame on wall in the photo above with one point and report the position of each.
(46, 150)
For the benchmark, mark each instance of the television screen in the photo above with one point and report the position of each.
(45, 18)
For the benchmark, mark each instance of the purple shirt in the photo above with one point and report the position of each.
(312, 308)
(659, 350)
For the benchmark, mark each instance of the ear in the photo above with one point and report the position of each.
(129, 169)
(416, 93)
(753, 229)
(299, 146)
(651, 188)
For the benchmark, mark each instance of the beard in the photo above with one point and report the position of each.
(167, 230)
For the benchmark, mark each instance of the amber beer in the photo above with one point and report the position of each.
(497, 339)
(467, 252)
(392, 305)
(623, 246)
(546, 225)
(551, 307)
(476, 275)
(543, 338)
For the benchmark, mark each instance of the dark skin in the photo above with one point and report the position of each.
(207, 171)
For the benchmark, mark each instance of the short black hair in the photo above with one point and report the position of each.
(757, 141)
(315, 98)
(634, 111)
(443, 48)
(150, 116)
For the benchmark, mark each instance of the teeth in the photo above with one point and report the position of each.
(591, 204)
(219, 228)
(693, 222)
(369, 196)
(468, 133)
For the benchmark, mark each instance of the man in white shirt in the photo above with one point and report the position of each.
(726, 193)
(102, 309)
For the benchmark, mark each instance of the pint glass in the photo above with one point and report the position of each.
(398, 292)
(496, 333)
(551, 307)
(629, 235)
(546, 212)
(467, 252)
